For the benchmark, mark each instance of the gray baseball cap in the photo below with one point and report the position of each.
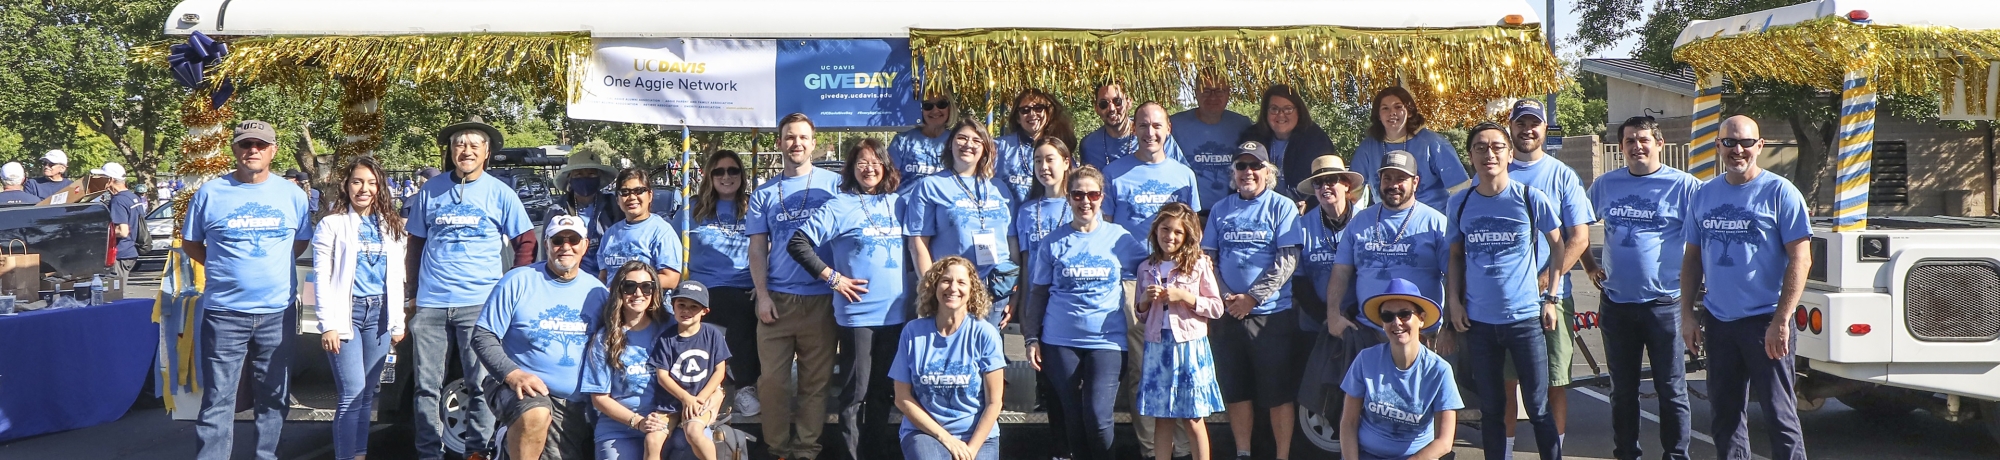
(1399, 160)
(254, 129)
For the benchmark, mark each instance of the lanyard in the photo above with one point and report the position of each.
(979, 207)
(802, 200)
(1399, 227)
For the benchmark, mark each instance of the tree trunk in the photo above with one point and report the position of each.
(304, 154)
(1813, 156)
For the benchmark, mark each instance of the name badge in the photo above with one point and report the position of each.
(986, 248)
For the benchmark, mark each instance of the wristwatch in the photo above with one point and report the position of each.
(1551, 298)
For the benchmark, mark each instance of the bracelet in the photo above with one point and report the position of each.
(834, 280)
(636, 418)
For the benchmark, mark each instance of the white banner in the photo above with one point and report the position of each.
(682, 82)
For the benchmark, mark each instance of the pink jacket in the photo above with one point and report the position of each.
(1188, 323)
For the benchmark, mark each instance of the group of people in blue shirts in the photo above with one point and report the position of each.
(1158, 266)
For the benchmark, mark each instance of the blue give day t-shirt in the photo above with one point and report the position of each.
(1502, 275)
(777, 209)
(1016, 167)
(1400, 406)
(917, 155)
(1565, 190)
(467, 228)
(1033, 223)
(1100, 149)
(1246, 236)
(1138, 189)
(1084, 274)
(373, 267)
(861, 236)
(954, 210)
(1317, 258)
(652, 241)
(544, 324)
(1210, 151)
(632, 387)
(1643, 231)
(720, 245)
(1438, 168)
(249, 230)
(689, 360)
(947, 373)
(1742, 231)
(1383, 244)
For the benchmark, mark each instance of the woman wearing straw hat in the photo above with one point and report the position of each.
(1334, 190)
(582, 181)
(1401, 399)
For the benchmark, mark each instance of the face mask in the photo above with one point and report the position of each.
(584, 185)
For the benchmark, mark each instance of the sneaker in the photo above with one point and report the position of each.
(746, 401)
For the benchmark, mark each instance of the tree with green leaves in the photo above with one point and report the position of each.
(1810, 114)
(68, 65)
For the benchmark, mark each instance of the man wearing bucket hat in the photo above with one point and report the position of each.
(54, 165)
(459, 225)
(247, 229)
(1402, 401)
(582, 179)
(1543, 172)
(531, 337)
(11, 178)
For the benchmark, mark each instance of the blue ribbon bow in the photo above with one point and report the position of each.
(190, 60)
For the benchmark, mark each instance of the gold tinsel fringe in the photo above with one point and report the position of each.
(1454, 73)
(201, 156)
(541, 63)
(1907, 60)
(361, 118)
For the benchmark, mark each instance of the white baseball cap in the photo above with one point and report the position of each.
(57, 157)
(13, 172)
(111, 170)
(562, 223)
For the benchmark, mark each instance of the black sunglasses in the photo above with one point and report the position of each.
(1107, 103)
(1092, 195)
(1250, 166)
(1728, 142)
(634, 191)
(729, 171)
(937, 105)
(565, 240)
(629, 287)
(1035, 108)
(1399, 315)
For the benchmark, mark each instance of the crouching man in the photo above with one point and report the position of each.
(532, 334)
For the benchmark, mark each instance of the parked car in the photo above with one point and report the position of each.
(159, 234)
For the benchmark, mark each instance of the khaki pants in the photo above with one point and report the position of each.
(804, 330)
(1128, 387)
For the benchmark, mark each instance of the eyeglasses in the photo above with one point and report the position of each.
(629, 287)
(634, 191)
(937, 105)
(1092, 195)
(729, 171)
(1745, 143)
(1250, 166)
(565, 240)
(1035, 108)
(1107, 103)
(1284, 110)
(1398, 315)
(870, 165)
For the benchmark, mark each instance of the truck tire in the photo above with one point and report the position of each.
(1317, 436)
(1878, 402)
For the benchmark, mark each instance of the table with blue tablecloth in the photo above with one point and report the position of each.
(75, 367)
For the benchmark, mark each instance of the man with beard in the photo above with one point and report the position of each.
(1499, 300)
(459, 227)
(1116, 138)
(1398, 238)
(1746, 234)
(1572, 206)
(532, 333)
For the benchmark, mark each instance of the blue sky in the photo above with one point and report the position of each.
(1566, 28)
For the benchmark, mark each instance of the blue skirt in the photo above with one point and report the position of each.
(1178, 379)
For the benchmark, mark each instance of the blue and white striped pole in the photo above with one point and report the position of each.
(1857, 150)
(1707, 123)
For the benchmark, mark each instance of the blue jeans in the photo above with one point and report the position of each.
(1646, 331)
(228, 340)
(920, 446)
(1487, 345)
(1086, 384)
(357, 372)
(1739, 367)
(436, 331)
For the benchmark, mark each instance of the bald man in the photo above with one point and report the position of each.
(1746, 231)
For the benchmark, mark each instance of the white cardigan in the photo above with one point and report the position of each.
(336, 249)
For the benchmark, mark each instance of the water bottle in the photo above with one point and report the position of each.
(96, 289)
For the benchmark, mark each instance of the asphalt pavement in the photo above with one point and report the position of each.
(1832, 432)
